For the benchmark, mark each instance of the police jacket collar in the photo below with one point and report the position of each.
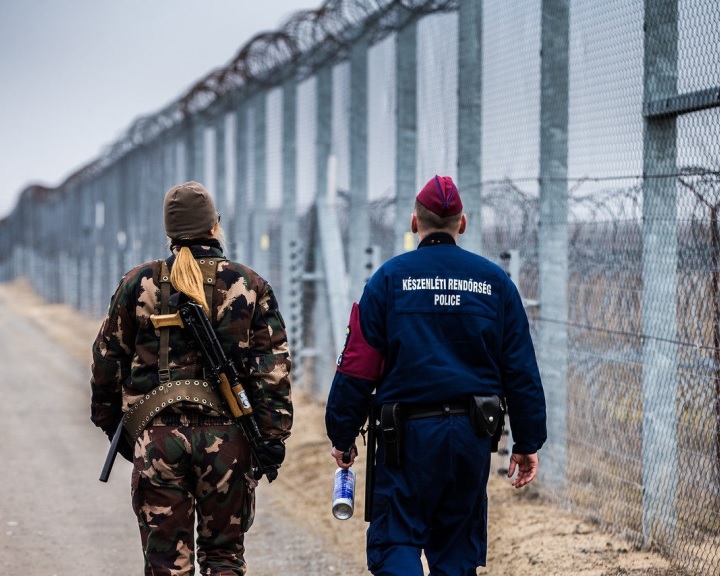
(437, 238)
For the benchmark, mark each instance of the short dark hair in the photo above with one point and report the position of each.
(431, 222)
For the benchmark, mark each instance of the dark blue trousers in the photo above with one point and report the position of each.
(435, 502)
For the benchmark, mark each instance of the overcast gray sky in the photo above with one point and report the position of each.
(74, 74)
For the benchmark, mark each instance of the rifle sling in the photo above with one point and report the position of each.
(164, 352)
(208, 266)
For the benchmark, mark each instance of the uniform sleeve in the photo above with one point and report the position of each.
(347, 409)
(112, 354)
(360, 367)
(521, 378)
(269, 367)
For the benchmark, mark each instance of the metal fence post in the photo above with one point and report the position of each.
(241, 212)
(332, 290)
(195, 148)
(170, 161)
(221, 169)
(553, 235)
(406, 130)
(291, 255)
(261, 238)
(86, 246)
(469, 170)
(324, 88)
(103, 272)
(138, 219)
(359, 232)
(659, 295)
(153, 196)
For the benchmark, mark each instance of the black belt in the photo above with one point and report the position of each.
(175, 419)
(410, 411)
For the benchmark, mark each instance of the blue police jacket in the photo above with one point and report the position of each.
(434, 325)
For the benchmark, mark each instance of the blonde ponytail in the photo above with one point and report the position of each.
(186, 277)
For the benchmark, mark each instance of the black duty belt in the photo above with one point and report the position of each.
(411, 411)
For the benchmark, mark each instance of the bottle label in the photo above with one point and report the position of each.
(343, 494)
(344, 484)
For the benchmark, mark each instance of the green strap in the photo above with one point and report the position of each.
(164, 352)
(208, 267)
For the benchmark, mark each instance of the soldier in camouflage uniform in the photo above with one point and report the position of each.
(192, 460)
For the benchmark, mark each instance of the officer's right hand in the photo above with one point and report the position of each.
(338, 455)
(527, 465)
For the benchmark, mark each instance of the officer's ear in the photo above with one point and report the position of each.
(463, 224)
(413, 223)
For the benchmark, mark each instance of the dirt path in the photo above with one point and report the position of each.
(58, 520)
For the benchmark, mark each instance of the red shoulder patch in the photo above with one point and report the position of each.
(358, 358)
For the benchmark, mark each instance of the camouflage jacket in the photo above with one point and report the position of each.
(246, 318)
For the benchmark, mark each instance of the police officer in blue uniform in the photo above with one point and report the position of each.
(438, 337)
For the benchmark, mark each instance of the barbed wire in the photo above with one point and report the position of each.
(306, 42)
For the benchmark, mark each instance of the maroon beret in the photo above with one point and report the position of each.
(441, 196)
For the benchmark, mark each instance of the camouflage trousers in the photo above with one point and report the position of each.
(184, 472)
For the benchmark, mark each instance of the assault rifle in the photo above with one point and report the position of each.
(190, 315)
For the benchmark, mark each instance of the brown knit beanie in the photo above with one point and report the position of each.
(189, 211)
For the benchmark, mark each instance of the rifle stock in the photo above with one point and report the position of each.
(165, 320)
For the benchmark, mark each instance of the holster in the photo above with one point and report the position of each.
(487, 414)
(391, 431)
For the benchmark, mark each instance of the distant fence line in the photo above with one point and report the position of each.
(585, 141)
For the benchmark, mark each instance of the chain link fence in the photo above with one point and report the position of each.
(584, 138)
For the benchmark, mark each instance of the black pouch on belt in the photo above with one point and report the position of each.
(391, 430)
(488, 417)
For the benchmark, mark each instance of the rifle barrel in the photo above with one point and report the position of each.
(112, 453)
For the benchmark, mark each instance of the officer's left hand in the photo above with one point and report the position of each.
(335, 453)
